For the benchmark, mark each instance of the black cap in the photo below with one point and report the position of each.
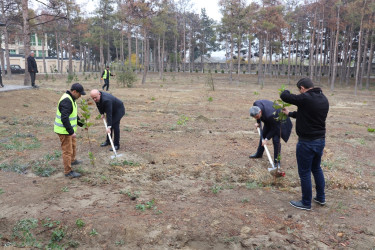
(79, 88)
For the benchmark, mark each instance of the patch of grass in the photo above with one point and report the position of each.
(21, 142)
(252, 185)
(93, 232)
(22, 232)
(73, 244)
(54, 156)
(245, 200)
(327, 164)
(256, 93)
(371, 130)
(80, 223)
(47, 222)
(43, 169)
(130, 194)
(65, 189)
(362, 141)
(124, 163)
(1, 191)
(127, 129)
(57, 235)
(216, 189)
(210, 99)
(148, 205)
(182, 120)
(120, 243)
(14, 167)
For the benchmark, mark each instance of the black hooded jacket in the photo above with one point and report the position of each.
(311, 114)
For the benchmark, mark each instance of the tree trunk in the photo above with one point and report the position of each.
(359, 49)
(159, 58)
(122, 46)
(260, 68)
(136, 52)
(176, 55)
(26, 38)
(130, 47)
(364, 57)
(239, 57)
(6, 43)
(249, 56)
(44, 53)
(369, 66)
(184, 41)
(146, 57)
(289, 54)
(312, 45)
(349, 56)
(231, 58)
(334, 59)
(62, 57)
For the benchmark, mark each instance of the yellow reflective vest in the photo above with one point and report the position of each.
(59, 126)
(107, 74)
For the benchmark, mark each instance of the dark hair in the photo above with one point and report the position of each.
(305, 82)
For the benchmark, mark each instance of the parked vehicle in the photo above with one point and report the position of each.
(15, 69)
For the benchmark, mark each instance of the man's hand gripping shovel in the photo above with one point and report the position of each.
(110, 139)
(273, 170)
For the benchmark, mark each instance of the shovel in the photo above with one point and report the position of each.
(110, 139)
(269, 156)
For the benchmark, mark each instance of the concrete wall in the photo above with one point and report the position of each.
(51, 64)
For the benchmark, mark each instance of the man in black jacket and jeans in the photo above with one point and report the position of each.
(263, 111)
(32, 68)
(311, 115)
(114, 110)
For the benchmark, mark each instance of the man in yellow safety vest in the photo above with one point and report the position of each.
(65, 127)
(106, 75)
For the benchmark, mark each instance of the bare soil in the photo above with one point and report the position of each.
(184, 180)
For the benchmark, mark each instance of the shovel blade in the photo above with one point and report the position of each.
(115, 156)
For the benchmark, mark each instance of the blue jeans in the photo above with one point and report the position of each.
(309, 155)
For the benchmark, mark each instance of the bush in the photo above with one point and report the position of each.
(244, 71)
(196, 70)
(127, 78)
(222, 71)
(215, 70)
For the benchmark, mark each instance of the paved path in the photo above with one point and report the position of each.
(14, 87)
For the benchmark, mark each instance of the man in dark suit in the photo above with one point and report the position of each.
(32, 68)
(114, 110)
(263, 111)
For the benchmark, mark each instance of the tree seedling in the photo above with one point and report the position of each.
(85, 116)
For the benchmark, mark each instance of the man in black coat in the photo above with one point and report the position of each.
(32, 68)
(312, 110)
(263, 111)
(114, 110)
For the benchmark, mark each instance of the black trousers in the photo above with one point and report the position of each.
(106, 83)
(32, 76)
(115, 134)
(276, 146)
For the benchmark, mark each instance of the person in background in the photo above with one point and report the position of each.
(263, 111)
(311, 115)
(65, 127)
(32, 68)
(106, 75)
(114, 110)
